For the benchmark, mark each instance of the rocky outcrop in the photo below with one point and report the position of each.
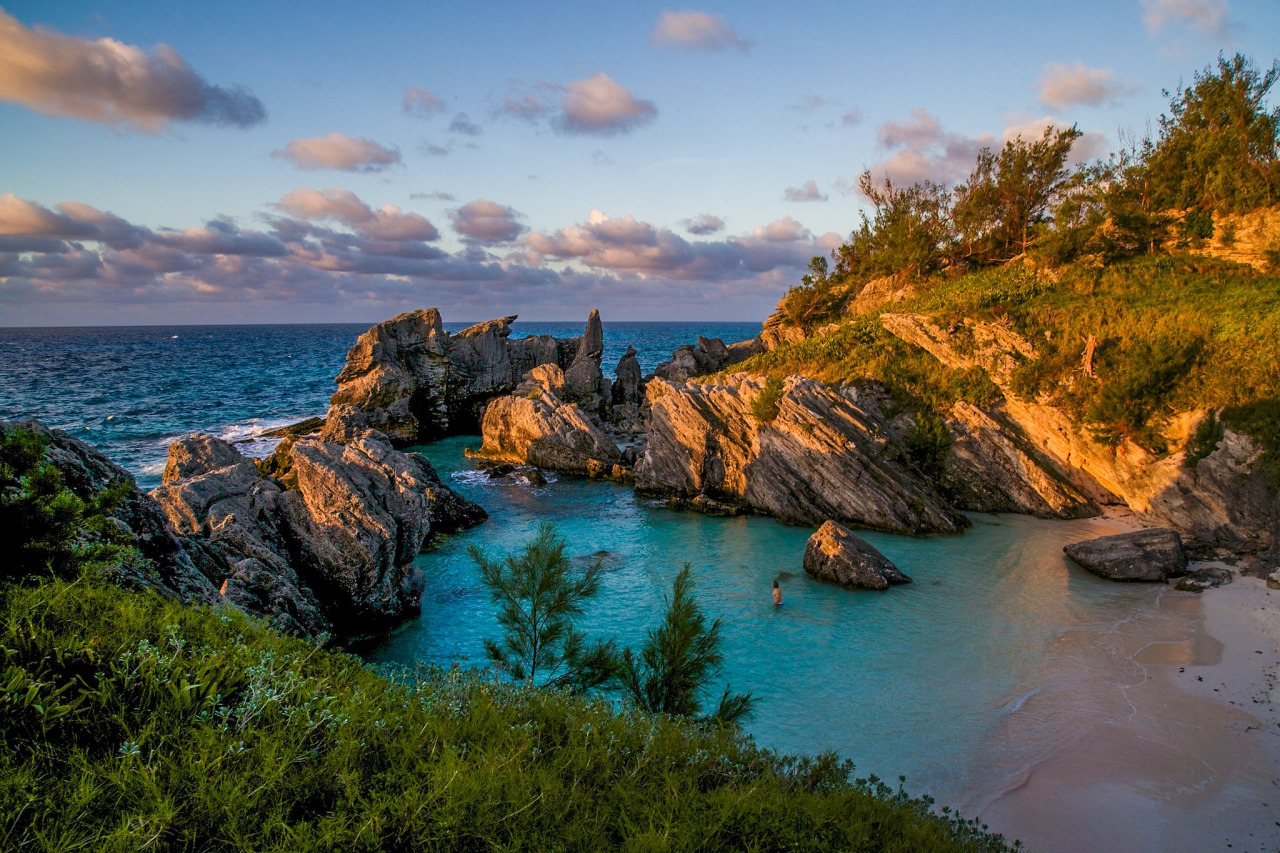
(836, 554)
(410, 380)
(1154, 555)
(584, 382)
(820, 457)
(198, 454)
(708, 355)
(175, 566)
(536, 427)
(325, 539)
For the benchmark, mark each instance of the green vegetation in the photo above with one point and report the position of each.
(679, 659)
(764, 408)
(538, 597)
(129, 722)
(1057, 256)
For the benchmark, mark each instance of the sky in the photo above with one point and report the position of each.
(321, 162)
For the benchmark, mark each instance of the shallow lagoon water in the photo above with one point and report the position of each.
(912, 681)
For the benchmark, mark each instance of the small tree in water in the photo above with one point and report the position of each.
(538, 597)
(679, 659)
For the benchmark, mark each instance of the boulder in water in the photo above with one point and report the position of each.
(1152, 555)
(837, 554)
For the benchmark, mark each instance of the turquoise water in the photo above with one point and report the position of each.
(912, 681)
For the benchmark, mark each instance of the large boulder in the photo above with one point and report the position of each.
(321, 537)
(198, 454)
(535, 427)
(836, 554)
(1154, 555)
(818, 456)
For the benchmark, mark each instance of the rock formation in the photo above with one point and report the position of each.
(836, 554)
(1155, 554)
(821, 457)
(535, 426)
(323, 538)
(708, 355)
(412, 381)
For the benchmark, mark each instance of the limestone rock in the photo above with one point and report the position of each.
(835, 553)
(583, 380)
(198, 454)
(822, 457)
(708, 355)
(779, 330)
(1207, 577)
(537, 428)
(1152, 555)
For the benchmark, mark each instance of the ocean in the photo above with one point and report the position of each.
(998, 633)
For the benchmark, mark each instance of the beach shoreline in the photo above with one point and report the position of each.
(1168, 734)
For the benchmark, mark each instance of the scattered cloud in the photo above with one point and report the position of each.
(601, 106)
(600, 158)
(703, 224)
(851, 118)
(328, 254)
(434, 196)
(1206, 16)
(1067, 85)
(696, 31)
(117, 84)
(526, 105)
(421, 102)
(433, 150)
(806, 192)
(342, 205)
(1087, 147)
(811, 103)
(337, 151)
(484, 221)
(463, 124)
(923, 151)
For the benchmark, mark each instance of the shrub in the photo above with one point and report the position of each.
(1204, 440)
(927, 444)
(764, 408)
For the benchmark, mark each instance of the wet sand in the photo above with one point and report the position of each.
(1160, 734)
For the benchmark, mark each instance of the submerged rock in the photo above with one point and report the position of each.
(836, 554)
(1208, 577)
(1152, 555)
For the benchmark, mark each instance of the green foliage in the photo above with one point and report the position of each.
(1137, 380)
(927, 444)
(1260, 419)
(131, 723)
(1218, 146)
(1204, 440)
(538, 597)
(764, 408)
(1196, 227)
(816, 298)
(47, 530)
(999, 210)
(909, 233)
(679, 659)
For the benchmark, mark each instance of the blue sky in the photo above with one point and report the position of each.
(325, 162)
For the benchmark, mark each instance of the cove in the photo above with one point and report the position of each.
(915, 681)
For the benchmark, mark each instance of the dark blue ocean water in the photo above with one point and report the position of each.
(961, 680)
(130, 391)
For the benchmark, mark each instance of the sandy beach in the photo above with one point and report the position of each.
(1162, 734)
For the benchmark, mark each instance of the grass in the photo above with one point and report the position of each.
(128, 723)
(1176, 333)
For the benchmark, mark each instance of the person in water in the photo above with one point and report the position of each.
(777, 595)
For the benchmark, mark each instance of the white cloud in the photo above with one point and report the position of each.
(599, 105)
(113, 83)
(484, 221)
(337, 151)
(1207, 16)
(342, 205)
(807, 192)
(696, 31)
(1065, 85)
(703, 224)
(421, 102)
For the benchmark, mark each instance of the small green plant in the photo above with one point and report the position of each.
(1227, 234)
(1204, 440)
(539, 597)
(764, 408)
(1196, 227)
(679, 659)
(927, 444)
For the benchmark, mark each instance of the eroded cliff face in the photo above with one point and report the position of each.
(322, 537)
(1223, 504)
(823, 456)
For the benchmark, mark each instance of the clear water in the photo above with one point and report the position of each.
(920, 680)
(912, 681)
